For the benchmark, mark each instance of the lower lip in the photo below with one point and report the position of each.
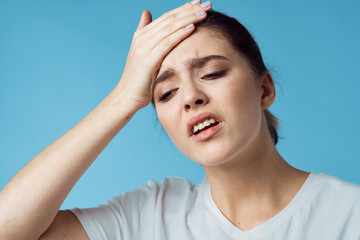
(206, 134)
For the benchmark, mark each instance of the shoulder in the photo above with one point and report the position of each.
(156, 191)
(167, 184)
(127, 214)
(172, 182)
(172, 187)
(335, 195)
(333, 203)
(334, 186)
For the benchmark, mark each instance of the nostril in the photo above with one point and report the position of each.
(193, 104)
(199, 101)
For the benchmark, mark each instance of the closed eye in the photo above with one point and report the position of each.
(165, 96)
(214, 75)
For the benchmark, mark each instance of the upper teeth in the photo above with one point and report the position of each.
(203, 124)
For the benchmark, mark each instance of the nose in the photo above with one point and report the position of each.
(194, 96)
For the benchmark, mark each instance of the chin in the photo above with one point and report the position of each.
(214, 162)
(215, 154)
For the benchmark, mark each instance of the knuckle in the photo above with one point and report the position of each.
(167, 43)
(170, 22)
(165, 15)
(187, 5)
(169, 17)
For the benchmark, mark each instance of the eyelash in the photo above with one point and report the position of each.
(209, 76)
(166, 95)
(214, 75)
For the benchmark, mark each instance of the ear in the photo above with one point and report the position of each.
(268, 91)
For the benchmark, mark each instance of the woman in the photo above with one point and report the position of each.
(211, 91)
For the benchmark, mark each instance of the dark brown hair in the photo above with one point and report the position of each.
(243, 42)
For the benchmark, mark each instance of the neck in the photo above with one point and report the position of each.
(254, 186)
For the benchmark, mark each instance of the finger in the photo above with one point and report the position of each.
(171, 13)
(145, 19)
(167, 44)
(174, 11)
(173, 23)
(162, 49)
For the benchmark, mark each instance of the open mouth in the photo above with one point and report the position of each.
(202, 126)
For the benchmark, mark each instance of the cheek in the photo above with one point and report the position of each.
(241, 101)
(169, 119)
(234, 92)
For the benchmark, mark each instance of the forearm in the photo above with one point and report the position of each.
(30, 201)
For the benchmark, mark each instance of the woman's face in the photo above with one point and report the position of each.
(204, 81)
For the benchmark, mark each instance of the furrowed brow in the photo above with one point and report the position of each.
(192, 63)
(199, 62)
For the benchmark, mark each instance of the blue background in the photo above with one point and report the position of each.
(59, 59)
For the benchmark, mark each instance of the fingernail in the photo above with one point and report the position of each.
(194, 2)
(201, 13)
(205, 4)
(189, 26)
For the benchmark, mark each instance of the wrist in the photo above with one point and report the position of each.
(120, 105)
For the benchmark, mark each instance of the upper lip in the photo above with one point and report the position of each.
(200, 118)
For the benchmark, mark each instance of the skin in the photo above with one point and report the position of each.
(234, 97)
(30, 202)
(250, 181)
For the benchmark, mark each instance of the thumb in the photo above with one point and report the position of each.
(145, 19)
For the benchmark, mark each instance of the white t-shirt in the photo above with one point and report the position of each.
(325, 208)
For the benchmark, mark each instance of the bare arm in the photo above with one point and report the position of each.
(65, 226)
(30, 202)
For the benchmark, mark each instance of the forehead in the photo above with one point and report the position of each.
(201, 43)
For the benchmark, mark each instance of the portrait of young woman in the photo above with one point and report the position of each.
(256, 110)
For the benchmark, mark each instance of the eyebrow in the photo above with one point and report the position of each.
(190, 63)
